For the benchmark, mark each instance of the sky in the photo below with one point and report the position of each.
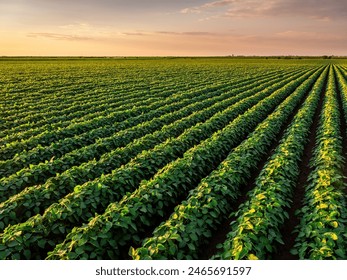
(172, 27)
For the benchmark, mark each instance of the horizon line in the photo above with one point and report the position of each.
(170, 56)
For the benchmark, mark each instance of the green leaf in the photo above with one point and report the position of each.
(12, 243)
(191, 246)
(79, 251)
(41, 243)
(27, 254)
(4, 254)
(194, 236)
(341, 253)
(172, 250)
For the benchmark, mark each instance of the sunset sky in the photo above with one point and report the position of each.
(173, 28)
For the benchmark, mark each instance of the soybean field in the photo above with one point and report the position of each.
(173, 158)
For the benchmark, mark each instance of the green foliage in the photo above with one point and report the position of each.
(321, 233)
(96, 153)
(151, 201)
(257, 227)
(211, 202)
(81, 204)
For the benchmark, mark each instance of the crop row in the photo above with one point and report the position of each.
(73, 89)
(256, 230)
(38, 123)
(196, 219)
(38, 173)
(124, 185)
(66, 100)
(82, 110)
(40, 154)
(86, 88)
(100, 119)
(35, 199)
(97, 135)
(125, 112)
(106, 235)
(94, 95)
(322, 229)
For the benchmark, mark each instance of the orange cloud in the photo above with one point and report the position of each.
(316, 9)
(58, 36)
